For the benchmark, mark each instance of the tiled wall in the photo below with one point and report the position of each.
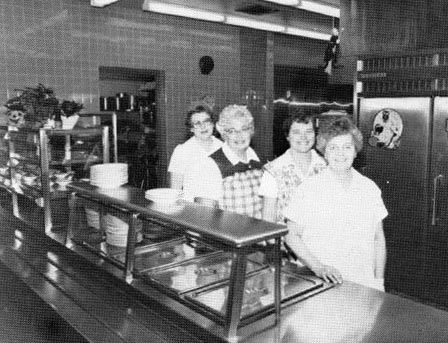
(62, 43)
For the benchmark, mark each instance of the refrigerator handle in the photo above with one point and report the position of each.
(434, 199)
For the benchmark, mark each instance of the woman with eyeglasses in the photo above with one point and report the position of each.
(230, 177)
(200, 125)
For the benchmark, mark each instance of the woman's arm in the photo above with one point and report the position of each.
(294, 240)
(380, 252)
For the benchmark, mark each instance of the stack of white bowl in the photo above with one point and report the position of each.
(117, 230)
(109, 175)
(164, 195)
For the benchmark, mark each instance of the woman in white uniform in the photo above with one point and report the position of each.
(202, 144)
(335, 218)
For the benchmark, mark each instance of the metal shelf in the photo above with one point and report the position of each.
(32, 147)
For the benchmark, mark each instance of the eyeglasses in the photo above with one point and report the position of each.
(245, 130)
(198, 124)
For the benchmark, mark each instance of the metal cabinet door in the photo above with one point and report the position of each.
(402, 175)
(436, 254)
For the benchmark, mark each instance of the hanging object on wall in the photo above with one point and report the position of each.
(332, 53)
(206, 65)
(387, 129)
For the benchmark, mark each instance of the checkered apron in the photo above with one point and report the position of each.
(240, 193)
(240, 185)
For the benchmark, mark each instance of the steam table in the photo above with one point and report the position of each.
(228, 231)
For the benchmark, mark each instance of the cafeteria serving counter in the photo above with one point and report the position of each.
(217, 263)
(91, 296)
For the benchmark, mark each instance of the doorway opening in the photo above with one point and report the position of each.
(137, 96)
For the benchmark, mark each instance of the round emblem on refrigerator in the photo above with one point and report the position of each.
(387, 129)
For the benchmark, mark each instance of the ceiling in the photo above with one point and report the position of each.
(258, 10)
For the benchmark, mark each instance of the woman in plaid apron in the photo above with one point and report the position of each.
(231, 176)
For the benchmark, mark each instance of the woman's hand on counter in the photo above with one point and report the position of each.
(327, 273)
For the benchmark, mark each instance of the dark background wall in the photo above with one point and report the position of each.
(386, 25)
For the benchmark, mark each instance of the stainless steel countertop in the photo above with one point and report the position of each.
(229, 228)
(354, 313)
(107, 305)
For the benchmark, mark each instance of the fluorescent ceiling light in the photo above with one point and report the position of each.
(320, 8)
(165, 8)
(293, 3)
(306, 33)
(254, 24)
(101, 3)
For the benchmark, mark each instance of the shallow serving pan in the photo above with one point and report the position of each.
(165, 254)
(258, 292)
(198, 273)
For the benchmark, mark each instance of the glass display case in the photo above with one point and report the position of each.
(212, 261)
(39, 165)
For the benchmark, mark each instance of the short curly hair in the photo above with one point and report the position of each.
(338, 127)
(231, 112)
(299, 117)
(198, 109)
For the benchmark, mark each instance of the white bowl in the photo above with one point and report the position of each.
(163, 195)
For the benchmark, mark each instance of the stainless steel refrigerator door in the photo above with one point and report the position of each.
(402, 175)
(438, 229)
(436, 254)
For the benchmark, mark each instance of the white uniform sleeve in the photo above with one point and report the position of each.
(177, 161)
(268, 186)
(378, 206)
(206, 180)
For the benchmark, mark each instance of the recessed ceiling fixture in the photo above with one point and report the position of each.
(189, 12)
(317, 7)
(101, 3)
(286, 2)
(254, 24)
(312, 6)
(196, 13)
(307, 33)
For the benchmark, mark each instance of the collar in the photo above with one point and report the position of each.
(234, 159)
(315, 157)
(356, 183)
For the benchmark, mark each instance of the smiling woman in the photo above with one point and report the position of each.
(283, 175)
(335, 218)
(200, 124)
(231, 176)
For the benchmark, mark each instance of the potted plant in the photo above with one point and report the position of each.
(69, 113)
(39, 104)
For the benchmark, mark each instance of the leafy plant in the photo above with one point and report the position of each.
(70, 108)
(39, 102)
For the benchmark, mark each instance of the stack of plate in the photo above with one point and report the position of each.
(109, 175)
(164, 195)
(117, 230)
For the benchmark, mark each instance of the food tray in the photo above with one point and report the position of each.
(258, 292)
(199, 272)
(167, 253)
